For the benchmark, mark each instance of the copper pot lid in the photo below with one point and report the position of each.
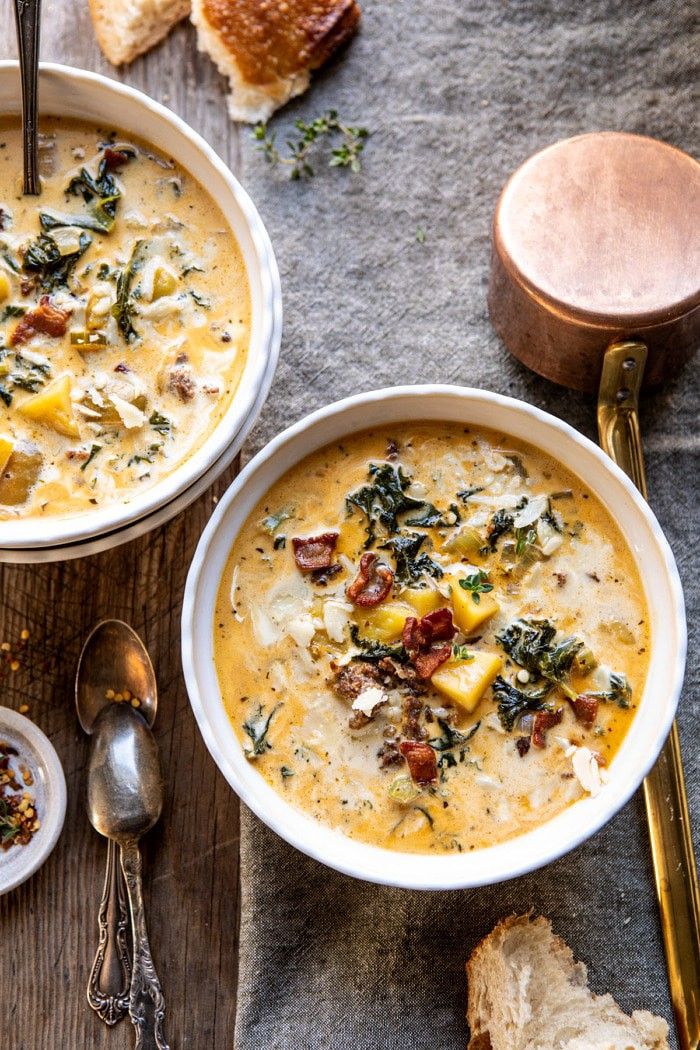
(597, 238)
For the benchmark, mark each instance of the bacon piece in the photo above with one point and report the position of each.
(372, 584)
(422, 761)
(45, 318)
(115, 158)
(418, 638)
(586, 709)
(543, 721)
(426, 664)
(314, 552)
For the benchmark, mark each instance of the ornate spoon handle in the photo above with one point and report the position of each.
(27, 18)
(146, 1002)
(110, 976)
(673, 856)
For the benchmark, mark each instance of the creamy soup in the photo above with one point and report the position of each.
(431, 638)
(125, 318)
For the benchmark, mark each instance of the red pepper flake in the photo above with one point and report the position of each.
(420, 635)
(421, 759)
(45, 318)
(314, 552)
(586, 709)
(18, 816)
(543, 721)
(372, 584)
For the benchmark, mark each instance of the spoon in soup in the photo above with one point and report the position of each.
(27, 20)
(595, 284)
(113, 656)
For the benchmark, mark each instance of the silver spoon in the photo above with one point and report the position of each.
(124, 801)
(27, 19)
(113, 656)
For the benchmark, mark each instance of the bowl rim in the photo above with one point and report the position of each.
(53, 819)
(526, 852)
(35, 532)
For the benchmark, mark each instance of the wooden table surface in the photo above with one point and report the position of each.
(48, 930)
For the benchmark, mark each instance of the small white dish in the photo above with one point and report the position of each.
(92, 97)
(655, 564)
(38, 754)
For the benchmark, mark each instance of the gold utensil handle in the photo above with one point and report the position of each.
(670, 833)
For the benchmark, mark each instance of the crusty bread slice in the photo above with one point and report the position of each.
(127, 28)
(268, 48)
(527, 992)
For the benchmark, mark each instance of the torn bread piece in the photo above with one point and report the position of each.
(527, 992)
(268, 48)
(126, 28)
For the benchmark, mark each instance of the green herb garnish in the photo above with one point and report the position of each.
(410, 565)
(344, 155)
(373, 651)
(477, 584)
(383, 499)
(160, 422)
(49, 267)
(123, 309)
(532, 644)
(256, 728)
(513, 702)
(94, 449)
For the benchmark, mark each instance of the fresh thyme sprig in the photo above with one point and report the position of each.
(344, 155)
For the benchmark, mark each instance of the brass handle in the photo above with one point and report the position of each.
(670, 833)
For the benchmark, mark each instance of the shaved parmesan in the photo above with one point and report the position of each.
(131, 416)
(335, 618)
(586, 769)
(302, 630)
(369, 700)
(533, 509)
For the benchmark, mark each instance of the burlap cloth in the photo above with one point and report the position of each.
(456, 95)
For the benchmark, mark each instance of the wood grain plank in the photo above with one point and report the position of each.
(48, 926)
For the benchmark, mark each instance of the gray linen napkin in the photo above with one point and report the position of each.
(456, 94)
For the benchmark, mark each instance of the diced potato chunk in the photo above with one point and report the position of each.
(424, 600)
(20, 474)
(383, 623)
(466, 613)
(6, 446)
(53, 408)
(5, 287)
(464, 682)
(164, 282)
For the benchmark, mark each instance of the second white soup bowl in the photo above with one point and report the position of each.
(657, 570)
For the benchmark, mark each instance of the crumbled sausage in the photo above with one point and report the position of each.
(181, 381)
(523, 745)
(350, 681)
(412, 708)
(389, 755)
